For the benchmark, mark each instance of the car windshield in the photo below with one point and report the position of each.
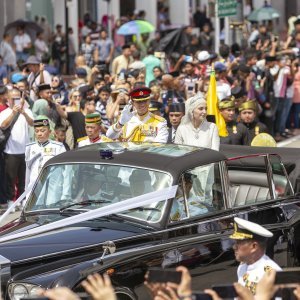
(89, 186)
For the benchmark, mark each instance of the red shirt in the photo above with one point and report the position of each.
(3, 107)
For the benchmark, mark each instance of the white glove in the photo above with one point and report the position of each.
(126, 114)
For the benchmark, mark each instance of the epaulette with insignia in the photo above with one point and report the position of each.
(158, 118)
(82, 139)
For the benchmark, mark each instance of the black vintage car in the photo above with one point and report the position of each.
(190, 228)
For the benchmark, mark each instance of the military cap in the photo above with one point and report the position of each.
(244, 230)
(177, 107)
(237, 92)
(41, 121)
(94, 118)
(250, 104)
(155, 105)
(140, 94)
(228, 103)
(44, 86)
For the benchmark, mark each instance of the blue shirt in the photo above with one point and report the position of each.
(3, 73)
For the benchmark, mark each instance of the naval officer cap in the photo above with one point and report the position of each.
(245, 230)
(155, 106)
(140, 94)
(41, 121)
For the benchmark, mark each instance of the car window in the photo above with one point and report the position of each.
(281, 182)
(61, 185)
(199, 193)
(248, 181)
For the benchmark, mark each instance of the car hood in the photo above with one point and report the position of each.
(70, 238)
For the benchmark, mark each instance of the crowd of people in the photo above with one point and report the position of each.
(142, 94)
(127, 89)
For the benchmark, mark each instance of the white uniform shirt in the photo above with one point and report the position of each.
(86, 141)
(21, 41)
(250, 275)
(19, 136)
(159, 133)
(37, 155)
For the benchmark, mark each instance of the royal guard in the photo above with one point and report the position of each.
(237, 132)
(93, 131)
(137, 123)
(39, 152)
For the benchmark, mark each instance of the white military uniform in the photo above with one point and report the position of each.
(85, 141)
(36, 155)
(250, 275)
(148, 128)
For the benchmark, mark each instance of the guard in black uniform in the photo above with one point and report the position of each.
(248, 113)
(237, 132)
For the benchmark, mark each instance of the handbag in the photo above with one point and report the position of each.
(5, 133)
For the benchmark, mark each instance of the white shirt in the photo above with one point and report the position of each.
(34, 82)
(21, 41)
(40, 48)
(86, 141)
(206, 135)
(250, 275)
(19, 136)
(8, 54)
(36, 155)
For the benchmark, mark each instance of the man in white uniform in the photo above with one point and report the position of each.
(139, 125)
(38, 153)
(250, 247)
(93, 131)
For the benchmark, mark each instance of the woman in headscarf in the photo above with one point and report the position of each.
(194, 129)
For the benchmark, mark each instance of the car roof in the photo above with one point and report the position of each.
(170, 158)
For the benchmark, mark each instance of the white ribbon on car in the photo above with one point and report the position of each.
(115, 208)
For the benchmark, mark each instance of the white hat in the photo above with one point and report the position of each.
(244, 230)
(203, 56)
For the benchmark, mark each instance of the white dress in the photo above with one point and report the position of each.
(206, 135)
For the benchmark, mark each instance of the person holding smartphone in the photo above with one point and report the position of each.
(137, 123)
(250, 250)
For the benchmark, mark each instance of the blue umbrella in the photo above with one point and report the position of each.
(135, 27)
(265, 13)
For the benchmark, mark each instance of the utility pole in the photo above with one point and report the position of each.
(67, 36)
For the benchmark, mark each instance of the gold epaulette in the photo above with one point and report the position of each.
(158, 118)
(104, 138)
(82, 139)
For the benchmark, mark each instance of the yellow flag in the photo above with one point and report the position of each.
(212, 106)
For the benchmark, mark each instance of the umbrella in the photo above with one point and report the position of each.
(30, 27)
(135, 27)
(175, 41)
(265, 13)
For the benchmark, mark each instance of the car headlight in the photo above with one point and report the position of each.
(17, 291)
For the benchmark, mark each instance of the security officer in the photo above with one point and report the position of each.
(176, 112)
(237, 132)
(39, 152)
(93, 131)
(250, 248)
(139, 125)
(248, 111)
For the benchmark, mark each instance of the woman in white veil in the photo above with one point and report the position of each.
(194, 129)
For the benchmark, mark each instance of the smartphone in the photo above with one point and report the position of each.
(225, 290)
(196, 87)
(164, 275)
(201, 296)
(17, 101)
(288, 276)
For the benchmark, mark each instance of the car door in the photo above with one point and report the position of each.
(256, 195)
(200, 224)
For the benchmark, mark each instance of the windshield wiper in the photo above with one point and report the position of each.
(141, 208)
(83, 203)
